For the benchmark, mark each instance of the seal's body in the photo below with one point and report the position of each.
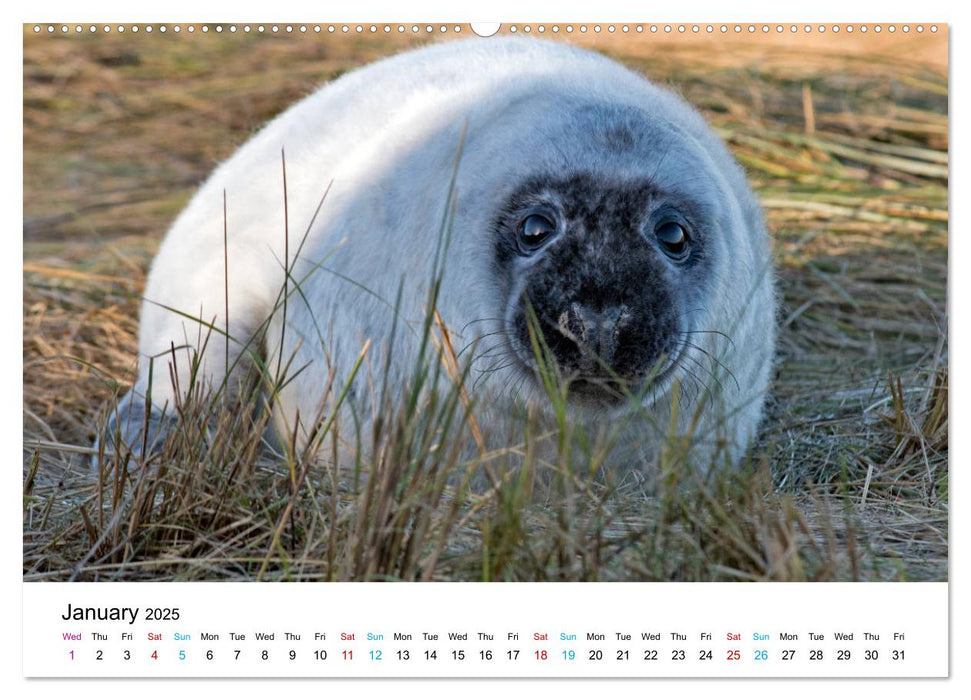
(580, 201)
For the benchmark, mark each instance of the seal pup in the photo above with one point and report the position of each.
(590, 213)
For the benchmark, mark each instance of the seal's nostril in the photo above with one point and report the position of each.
(573, 325)
(594, 331)
(614, 317)
(622, 319)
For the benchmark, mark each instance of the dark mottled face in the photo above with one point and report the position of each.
(606, 269)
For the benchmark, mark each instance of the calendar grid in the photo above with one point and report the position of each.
(483, 630)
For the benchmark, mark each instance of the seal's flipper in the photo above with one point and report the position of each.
(133, 428)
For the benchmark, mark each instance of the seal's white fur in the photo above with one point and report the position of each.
(385, 139)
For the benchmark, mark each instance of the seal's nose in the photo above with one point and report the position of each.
(595, 331)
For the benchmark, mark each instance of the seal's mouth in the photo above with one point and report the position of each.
(602, 388)
(616, 391)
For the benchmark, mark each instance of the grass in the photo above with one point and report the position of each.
(847, 149)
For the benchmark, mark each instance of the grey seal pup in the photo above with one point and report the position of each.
(580, 199)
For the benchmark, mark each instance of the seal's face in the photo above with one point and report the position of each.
(603, 271)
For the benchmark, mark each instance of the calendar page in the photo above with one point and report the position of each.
(516, 350)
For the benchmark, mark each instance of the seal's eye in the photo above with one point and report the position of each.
(673, 239)
(534, 231)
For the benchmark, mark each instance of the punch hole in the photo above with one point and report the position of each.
(667, 28)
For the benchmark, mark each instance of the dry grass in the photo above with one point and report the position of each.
(848, 151)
